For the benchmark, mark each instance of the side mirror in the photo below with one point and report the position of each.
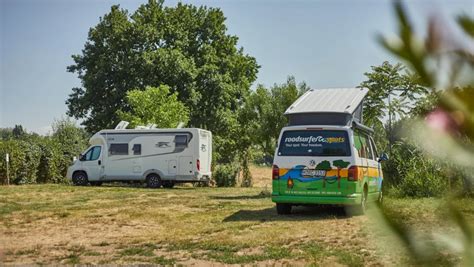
(383, 157)
(82, 157)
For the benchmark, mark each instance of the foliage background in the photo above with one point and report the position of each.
(164, 65)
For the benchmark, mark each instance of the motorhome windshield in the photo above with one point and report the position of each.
(314, 143)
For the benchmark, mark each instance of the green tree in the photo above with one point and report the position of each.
(154, 105)
(392, 91)
(268, 107)
(184, 47)
(18, 132)
(340, 164)
(71, 140)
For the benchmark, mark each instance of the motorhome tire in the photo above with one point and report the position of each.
(80, 178)
(283, 208)
(168, 184)
(153, 181)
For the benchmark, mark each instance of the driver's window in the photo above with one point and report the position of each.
(93, 153)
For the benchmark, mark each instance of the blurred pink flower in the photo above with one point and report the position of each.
(441, 120)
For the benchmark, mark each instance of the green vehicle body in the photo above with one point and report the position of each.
(349, 178)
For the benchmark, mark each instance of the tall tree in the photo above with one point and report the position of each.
(154, 105)
(184, 47)
(393, 91)
(18, 131)
(267, 107)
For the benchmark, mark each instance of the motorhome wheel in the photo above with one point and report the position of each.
(153, 181)
(80, 178)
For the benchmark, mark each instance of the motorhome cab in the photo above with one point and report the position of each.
(326, 155)
(160, 157)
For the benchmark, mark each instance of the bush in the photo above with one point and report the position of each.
(226, 175)
(40, 159)
(24, 161)
(49, 169)
(413, 174)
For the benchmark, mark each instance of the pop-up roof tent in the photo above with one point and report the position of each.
(335, 106)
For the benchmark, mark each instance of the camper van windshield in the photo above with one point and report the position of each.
(314, 143)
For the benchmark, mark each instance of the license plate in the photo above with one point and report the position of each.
(313, 173)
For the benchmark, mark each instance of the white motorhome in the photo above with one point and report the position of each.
(160, 157)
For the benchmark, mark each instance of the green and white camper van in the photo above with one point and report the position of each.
(326, 155)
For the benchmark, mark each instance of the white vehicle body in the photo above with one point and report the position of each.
(175, 155)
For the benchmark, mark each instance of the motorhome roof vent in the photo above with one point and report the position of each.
(122, 125)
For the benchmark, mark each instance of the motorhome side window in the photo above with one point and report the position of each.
(181, 141)
(314, 143)
(92, 154)
(118, 149)
(137, 149)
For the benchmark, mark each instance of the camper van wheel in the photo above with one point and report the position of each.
(80, 178)
(153, 181)
(168, 184)
(283, 208)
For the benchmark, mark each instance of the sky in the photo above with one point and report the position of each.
(323, 43)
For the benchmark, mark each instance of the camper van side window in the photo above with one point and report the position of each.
(181, 141)
(374, 148)
(363, 146)
(358, 142)
(118, 149)
(137, 149)
(366, 147)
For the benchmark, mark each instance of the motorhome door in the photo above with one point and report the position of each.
(92, 163)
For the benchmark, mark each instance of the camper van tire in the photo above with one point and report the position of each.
(80, 178)
(168, 184)
(153, 181)
(283, 208)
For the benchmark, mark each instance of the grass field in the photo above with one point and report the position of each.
(63, 224)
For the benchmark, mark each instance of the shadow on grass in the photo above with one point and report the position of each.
(300, 213)
(142, 186)
(240, 197)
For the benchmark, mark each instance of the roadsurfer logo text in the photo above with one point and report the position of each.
(312, 139)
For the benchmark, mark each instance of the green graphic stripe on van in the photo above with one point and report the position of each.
(295, 174)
